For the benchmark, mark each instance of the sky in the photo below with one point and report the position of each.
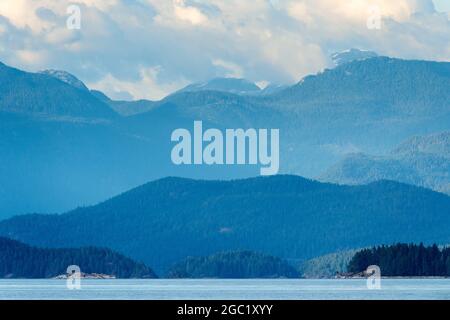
(146, 49)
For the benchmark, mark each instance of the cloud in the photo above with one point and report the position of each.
(146, 48)
(179, 14)
(31, 57)
(146, 87)
(191, 14)
(232, 70)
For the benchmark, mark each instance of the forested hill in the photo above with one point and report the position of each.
(165, 221)
(404, 260)
(18, 260)
(233, 265)
(46, 94)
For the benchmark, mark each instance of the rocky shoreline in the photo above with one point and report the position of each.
(87, 276)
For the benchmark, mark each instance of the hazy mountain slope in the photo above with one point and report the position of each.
(379, 87)
(36, 93)
(129, 108)
(225, 110)
(285, 216)
(233, 265)
(327, 265)
(126, 108)
(49, 166)
(53, 166)
(230, 85)
(422, 161)
(435, 144)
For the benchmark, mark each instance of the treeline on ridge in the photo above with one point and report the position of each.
(404, 260)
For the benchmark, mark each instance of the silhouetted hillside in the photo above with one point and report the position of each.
(18, 260)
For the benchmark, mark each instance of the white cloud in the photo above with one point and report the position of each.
(177, 14)
(22, 14)
(32, 57)
(121, 42)
(191, 14)
(232, 70)
(146, 87)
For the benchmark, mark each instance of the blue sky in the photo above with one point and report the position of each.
(133, 49)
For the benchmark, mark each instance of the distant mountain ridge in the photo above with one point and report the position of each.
(230, 85)
(285, 216)
(381, 87)
(435, 144)
(38, 93)
(126, 108)
(423, 161)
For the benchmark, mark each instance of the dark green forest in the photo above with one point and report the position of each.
(18, 260)
(233, 265)
(404, 260)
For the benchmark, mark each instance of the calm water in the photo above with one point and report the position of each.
(226, 289)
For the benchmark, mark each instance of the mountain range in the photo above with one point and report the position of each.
(165, 221)
(63, 145)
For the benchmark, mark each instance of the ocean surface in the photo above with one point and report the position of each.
(398, 289)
